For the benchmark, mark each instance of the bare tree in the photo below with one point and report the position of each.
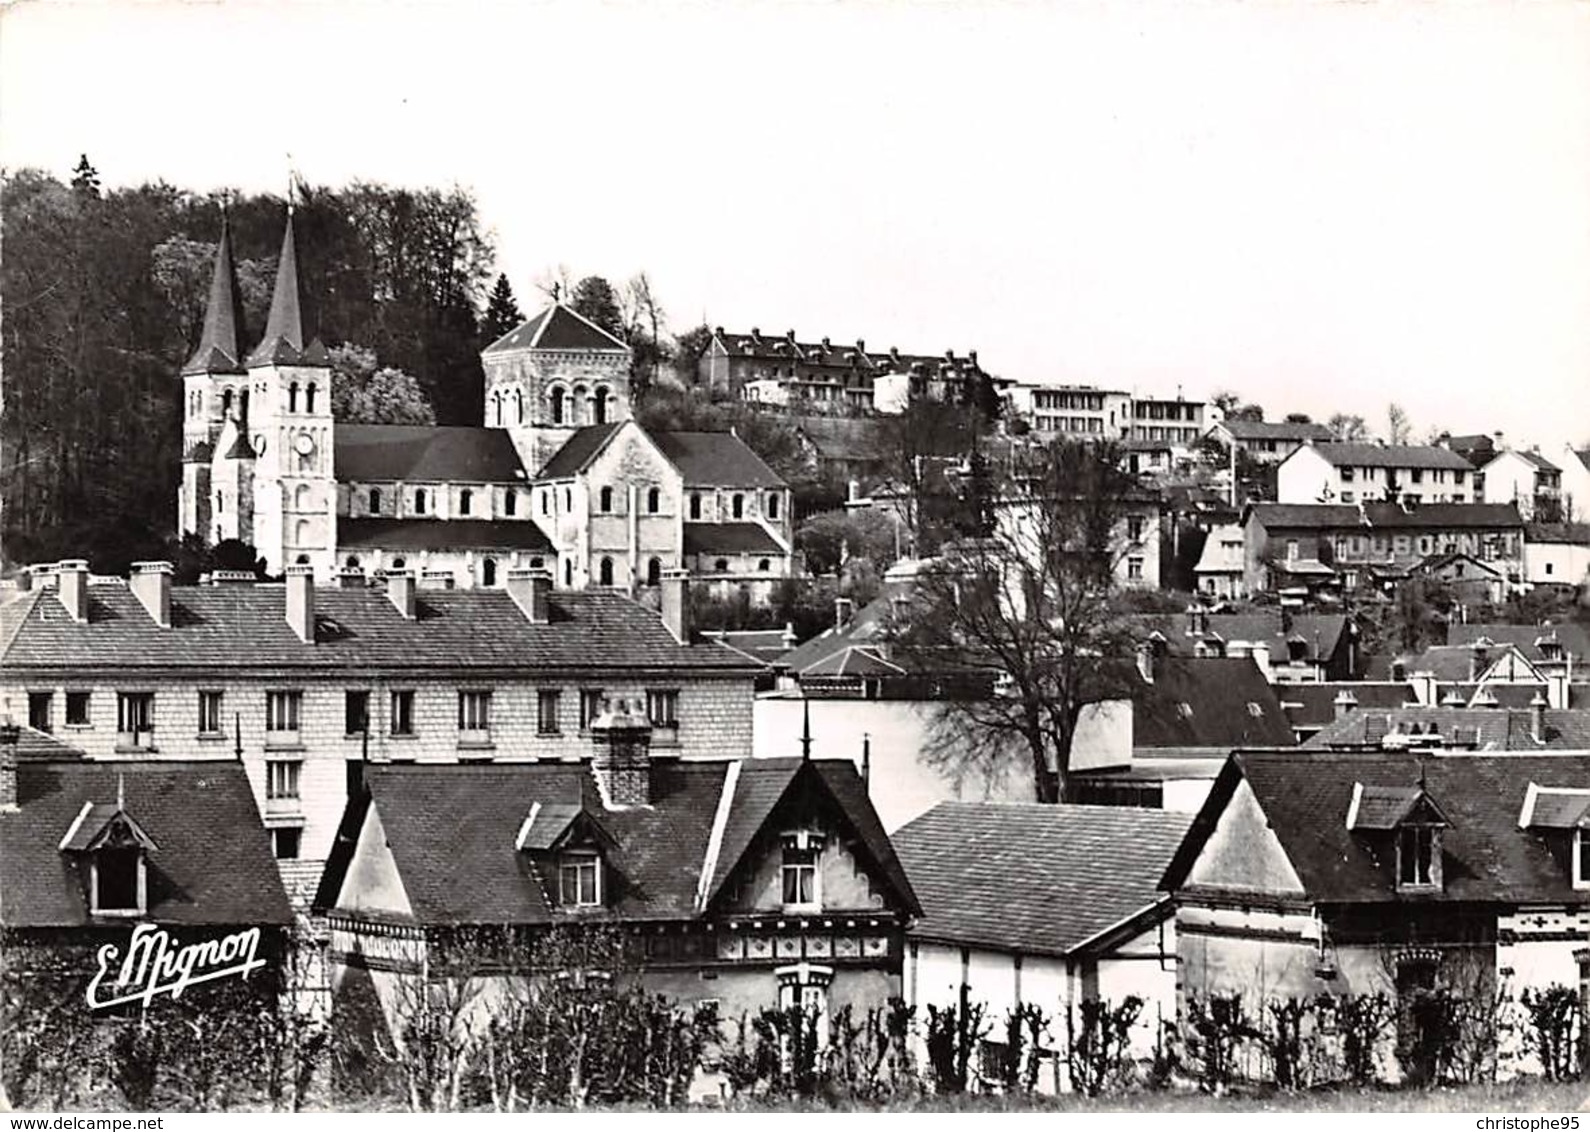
(556, 283)
(1399, 429)
(1036, 604)
(1348, 427)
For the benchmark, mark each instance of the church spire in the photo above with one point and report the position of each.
(218, 350)
(284, 329)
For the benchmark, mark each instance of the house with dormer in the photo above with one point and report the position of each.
(1398, 872)
(741, 883)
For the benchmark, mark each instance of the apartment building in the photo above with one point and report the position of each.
(1360, 473)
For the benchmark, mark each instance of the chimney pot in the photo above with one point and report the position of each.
(351, 578)
(1345, 702)
(1537, 718)
(151, 585)
(621, 755)
(301, 601)
(232, 577)
(530, 590)
(675, 587)
(400, 588)
(861, 345)
(71, 587)
(436, 579)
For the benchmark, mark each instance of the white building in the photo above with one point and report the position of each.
(1525, 478)
(1359, 473)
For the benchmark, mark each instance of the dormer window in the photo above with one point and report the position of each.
(118, 882)
(1419, 857)
(1406, 822)
(580, 880)
(1581, 859)
(115, 849)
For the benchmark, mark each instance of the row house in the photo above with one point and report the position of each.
(742, 884)
(1356, 545)
(308, 686)
(1361, 473)
(1177, 422)
(1389, 871)
(1267, 442)
(1077, 411)
(1526, 479)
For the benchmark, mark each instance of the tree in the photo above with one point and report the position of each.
(1398, 427)
(924, 451)
(689, 348)
(1252, 411)
(364, 392)
(1299, 418)
(594, 298)
(1348, 427)
(643, 320)
(1038, 603)
(833, 540)
(502, 312)
(1226, 400)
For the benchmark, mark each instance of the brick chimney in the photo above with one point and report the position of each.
(71, 587)
(150, 583)
(621, 755)
(675, 587)
(9, 734)
(301, 602)
(1344, 703)
(351, 578)
(530, 590)
(1537, 718)
(400, 588)
(436, 580)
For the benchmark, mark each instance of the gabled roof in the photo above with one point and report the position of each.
(1381, 808)
(453, 832)
(712, 459)
(1207, 702)
(1443, 516)
(240, 627)
(1456, 662)
(1305, 515)
(438, 534)
(1539, 462)
(867, 628)
(105, 823)
(578, 451)
(1555, 807)
(557, 328)
(218, 350)
(730, 538)
(1040, 879)
(1274, 430)
(1487, 858)
(1390, 456)
(425, 454)
(1478, 728)
(179, 806)
(1314, 704)
(1320, 633)
(1528, 639)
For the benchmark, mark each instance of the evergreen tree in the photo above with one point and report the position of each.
(594, 298)
(502, 312)
(85, 178)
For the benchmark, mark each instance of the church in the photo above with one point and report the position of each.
(560, 477)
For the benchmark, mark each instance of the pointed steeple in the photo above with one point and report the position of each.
(218, 350)
(284, 330)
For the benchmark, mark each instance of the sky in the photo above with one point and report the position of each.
(1323, 206)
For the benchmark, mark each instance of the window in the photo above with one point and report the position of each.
(1418, 848)
(356, 712)
(662, 708)
(1291, 550)
(763, 565)
(403, 713)
(590, 706)
(466, 501)
(568, 573)
(1417, 475)
(39, 710)
(488, 572)
(397, 563)
(695, 505)
(292, 397)
(135, 720)
(800, 878)
(546, 503)
(737, 506)
(604, 573)
(118, 881)
(281, 716)
(285, 842)
(606, 498)
(557, 406)
(419, 501)
(1134, 569)
(1134, 528)
(568, 499)
(281, 779)
(721, 566)
(209, 713)
(772, 505)
(1347, 475)
(547, 711)
(510, 502)
(309, 398)
(599, 407)
(474, 715)
(653, 500)
(654, 572)
(77, 709)
(579, 881)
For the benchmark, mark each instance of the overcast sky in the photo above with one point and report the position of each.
(1323, 206)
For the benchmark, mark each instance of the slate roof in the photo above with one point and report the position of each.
(425, 454)
(1320, 632)
(765, 646)
(1390, 456)
(452, 831)
(1038, 879)
(1486, 857)
(1578, 534)
(1207, 702)
(42, 746)
(1306, 515)
(578, 451)
(180, 805)
(245, 626)
(868, 628)
(730, 538)
(438, 534)
(1452, 662)
(715, 458)
(1391, 516)
(1574, 638)
(1314, 705)
(1480, 728)
(1275, 430)
(1540, 463)
(557, 328)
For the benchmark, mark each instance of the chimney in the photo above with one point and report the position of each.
(717, 332)
(621, 755)
(530, 590)
(842, 612)
(788, 638)
(301, 601)
(71, 586)
(1344, 703)
(1260, 652)
(861, 345)
(400, 588)
(436, 580)
(1537, 719)
(232, 577)
(971, 356)
(24, 580)
(1557, 690)
(1197, 620)
(1479, 659)
(1145, 661)
(9, 734)
(350, 578)
(676, 604)
(151, 585)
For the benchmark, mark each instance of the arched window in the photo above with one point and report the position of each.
(568, 499)
(510, 502)
(721, 565)
(353, 562)
(496, 409)
(375, 501)
(303, 560)
(301, 532)
(654, 572)
(537, 563)
(599, 406)
(653, 500)
(557, 405)
(242, 405)
(606, 497)
(466, 500)
(292, 397)
(309, 398)
(737, 506)
(419, 501)
(568, 573)
(604, 572)
(695, 505)
(546, 503)
(226, 402)
(301, 500)
(772, 505)
(518, 407)
(397, 563)
(488, 572)
(578, 416)
(762, 566)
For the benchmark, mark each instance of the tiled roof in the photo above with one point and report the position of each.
(452, 832)
(40, 745)
(180, 805)
(1207, 702)
(1479, 728)
(1320, 633)
(1391, 456)
(426, 454)
(578, 451)
(1539, 462)
(1306, 515)
(1487, 857)
(557, 328)
(1443, 516)
(1275, 430)
(1039, 879)
(867, 626)
(1314, 705)
(715, 459)
(245, 626)
(437, 534)
(1574, 638)
(730, 538)
(1451, 662)
(1578, 534)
